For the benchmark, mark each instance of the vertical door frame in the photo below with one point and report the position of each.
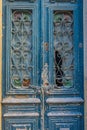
(0, 64)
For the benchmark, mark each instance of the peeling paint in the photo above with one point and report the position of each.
(33, 114)
(46, 46)
(45, 75)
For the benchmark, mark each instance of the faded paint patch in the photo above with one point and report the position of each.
(45, 75)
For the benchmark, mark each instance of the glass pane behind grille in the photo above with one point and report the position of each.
(21, 49)
(63, 48)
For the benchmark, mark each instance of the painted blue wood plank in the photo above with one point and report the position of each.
(21, 101)
(65, 100)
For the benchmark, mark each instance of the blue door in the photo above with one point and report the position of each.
(43, 65)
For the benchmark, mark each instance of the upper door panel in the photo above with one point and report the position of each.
(22, 47)
(62, 56)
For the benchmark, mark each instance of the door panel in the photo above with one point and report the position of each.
(42, 70)
(67, 123)
(21, 124)
(64, 72)
(21, 100)
(22, 60)
(21, 113)
(60, 111)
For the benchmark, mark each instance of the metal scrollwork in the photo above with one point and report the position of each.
(21, 49)
(63, 48)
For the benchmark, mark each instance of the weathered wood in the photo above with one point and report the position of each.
(69, 114)
(64, 100)
(21, 101)
(32, 114)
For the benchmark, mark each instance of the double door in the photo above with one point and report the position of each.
(43, 65)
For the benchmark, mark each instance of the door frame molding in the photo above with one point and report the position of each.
(0, 64)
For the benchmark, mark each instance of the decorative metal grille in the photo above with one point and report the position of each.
(63, 48)
(21, 49)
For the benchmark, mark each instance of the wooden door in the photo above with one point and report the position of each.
(42, 65)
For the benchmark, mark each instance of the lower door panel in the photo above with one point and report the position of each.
(21, 123)
(65, 123)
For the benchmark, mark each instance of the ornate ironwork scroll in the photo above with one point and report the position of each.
(63, 48)
(21, 49)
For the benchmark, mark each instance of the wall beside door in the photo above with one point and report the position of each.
(85, 59)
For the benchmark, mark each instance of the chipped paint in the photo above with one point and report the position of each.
(64, 113)
(45, 75)
(72, 100)
(42, 109)
(46, 46)
(33, 114)
(20, 101)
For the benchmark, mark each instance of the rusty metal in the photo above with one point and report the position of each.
(46, 46)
